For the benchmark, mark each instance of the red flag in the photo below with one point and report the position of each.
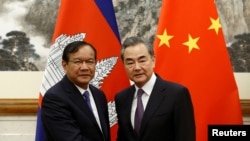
(93, 21)
(190, 49)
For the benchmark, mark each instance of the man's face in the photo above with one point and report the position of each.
(81, 66)
(139, 64)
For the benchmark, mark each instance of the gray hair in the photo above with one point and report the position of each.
(134, 40)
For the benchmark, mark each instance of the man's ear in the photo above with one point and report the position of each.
(64, 65)
(154, 59)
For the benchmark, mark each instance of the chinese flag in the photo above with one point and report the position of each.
(93, 21)
(190, 49)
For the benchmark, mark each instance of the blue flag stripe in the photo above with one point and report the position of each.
(107, 10)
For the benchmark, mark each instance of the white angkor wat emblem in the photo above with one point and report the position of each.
(103, 68)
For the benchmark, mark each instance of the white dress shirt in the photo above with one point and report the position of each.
(92, 102)
(147, 88)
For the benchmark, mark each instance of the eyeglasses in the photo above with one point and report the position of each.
(89, 62)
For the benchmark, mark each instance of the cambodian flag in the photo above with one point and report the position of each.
(95, 22)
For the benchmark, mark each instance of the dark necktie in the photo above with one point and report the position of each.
(86, 97)
(138, 112)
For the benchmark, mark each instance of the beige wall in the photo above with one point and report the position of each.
(27, 84)
(20, 84)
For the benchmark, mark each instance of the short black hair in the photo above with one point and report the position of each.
(74, 47)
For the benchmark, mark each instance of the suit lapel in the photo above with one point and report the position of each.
(129, 105)
(154, 102)
(77, 98)
(100, 111)
(73, 93)
(126, 110)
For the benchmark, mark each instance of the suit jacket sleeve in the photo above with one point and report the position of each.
(58, 121)
(184, 117)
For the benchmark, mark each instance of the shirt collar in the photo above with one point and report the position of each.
(148, 87)
(82, 90)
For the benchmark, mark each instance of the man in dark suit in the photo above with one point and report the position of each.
(164, 112)
(73, 109)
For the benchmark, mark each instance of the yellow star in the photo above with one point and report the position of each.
(165, 38)
(191, 43)
(215, 24)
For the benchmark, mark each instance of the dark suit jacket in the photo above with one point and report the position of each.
(169, 114)
(66, 116)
